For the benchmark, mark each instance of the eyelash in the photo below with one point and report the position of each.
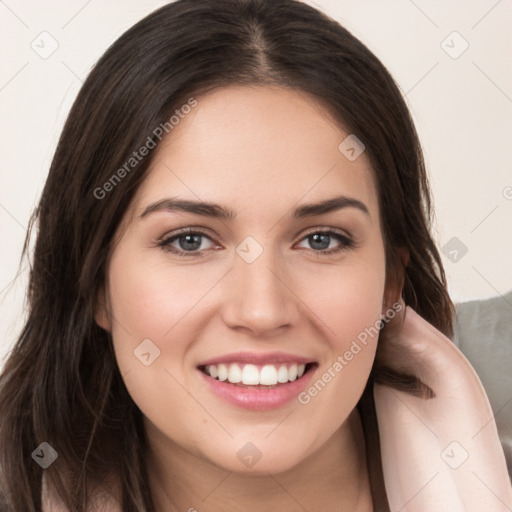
(164, 243)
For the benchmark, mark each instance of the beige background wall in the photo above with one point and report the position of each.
(461, 99)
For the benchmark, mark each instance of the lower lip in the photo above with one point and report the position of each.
(255, 398)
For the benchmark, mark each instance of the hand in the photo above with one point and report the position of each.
(440, 453)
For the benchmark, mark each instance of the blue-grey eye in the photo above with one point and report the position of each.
(190, 242)
(320, 241)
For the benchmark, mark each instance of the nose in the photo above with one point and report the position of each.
(259, 297)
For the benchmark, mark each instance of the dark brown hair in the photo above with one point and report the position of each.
(61, 383)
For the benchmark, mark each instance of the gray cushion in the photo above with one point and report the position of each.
(483, 333)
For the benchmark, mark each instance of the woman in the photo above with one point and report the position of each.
(235, 301)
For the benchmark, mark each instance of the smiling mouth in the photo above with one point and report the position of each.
(268, 376)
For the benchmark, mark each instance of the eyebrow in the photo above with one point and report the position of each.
(218, 211)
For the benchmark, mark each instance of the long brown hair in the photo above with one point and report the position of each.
(61, 383)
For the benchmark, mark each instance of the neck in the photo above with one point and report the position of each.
(335, 478)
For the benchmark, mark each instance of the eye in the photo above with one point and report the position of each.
(188, 242)
(320, 240)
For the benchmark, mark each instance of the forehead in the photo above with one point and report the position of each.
(257, 149)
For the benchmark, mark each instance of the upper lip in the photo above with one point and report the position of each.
(257, 358)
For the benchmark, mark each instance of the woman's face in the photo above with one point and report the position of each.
(263, 288)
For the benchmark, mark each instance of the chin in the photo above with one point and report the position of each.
(248, 459)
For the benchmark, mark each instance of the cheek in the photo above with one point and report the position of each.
(347, 302)
(343, 373)
(350, 303)
(346, 298)
(150, 300)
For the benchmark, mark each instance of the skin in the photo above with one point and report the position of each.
(259, 151)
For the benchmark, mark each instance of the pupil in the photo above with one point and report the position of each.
(190, 239)
(316, 237)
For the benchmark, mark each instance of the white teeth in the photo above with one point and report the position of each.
(268, 375)
(235, 374)
(223, 371)
(282, 374)
(214, 372)
(252, 375)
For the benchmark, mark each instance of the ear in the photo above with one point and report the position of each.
(101, 310)
(395, 279)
